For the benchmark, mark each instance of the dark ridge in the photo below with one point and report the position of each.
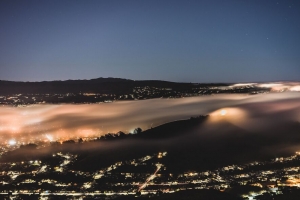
(189, 146)
(98, 85)
(122, 147)
(171, 129)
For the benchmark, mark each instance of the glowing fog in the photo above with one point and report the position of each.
(67, 121)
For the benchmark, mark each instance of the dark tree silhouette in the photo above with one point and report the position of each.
(137, 130)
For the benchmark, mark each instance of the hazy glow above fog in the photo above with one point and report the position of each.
(59, 122)
(281, 86)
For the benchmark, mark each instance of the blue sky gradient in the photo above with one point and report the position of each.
(186, 41)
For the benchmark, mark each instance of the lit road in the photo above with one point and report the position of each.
(150, 178)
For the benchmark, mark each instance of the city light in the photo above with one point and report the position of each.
(12, 142)
(223, 112)
(49, 137)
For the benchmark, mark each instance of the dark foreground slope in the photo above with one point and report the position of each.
(190, 146)
(180, 153)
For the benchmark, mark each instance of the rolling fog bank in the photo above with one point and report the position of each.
(239, 128)
(66, 121)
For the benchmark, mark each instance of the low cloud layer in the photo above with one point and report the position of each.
(67, 121)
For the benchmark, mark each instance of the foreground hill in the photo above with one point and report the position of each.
(189, 144)
(182, 155)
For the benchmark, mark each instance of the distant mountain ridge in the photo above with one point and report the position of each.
(97, 85)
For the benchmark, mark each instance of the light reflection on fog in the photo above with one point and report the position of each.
(52, 122)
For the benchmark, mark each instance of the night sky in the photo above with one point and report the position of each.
(186, 41)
